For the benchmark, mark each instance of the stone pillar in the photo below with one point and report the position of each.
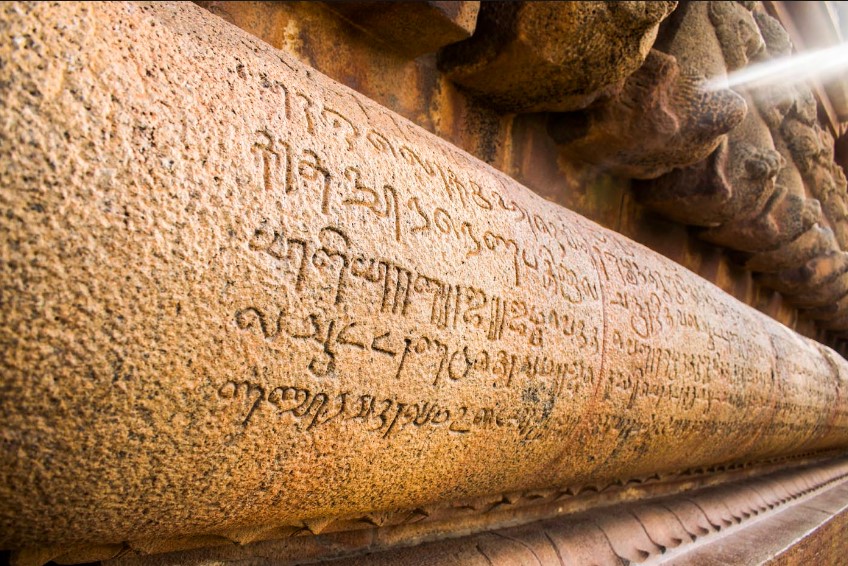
(236, 293)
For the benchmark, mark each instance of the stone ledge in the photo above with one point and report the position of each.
(747, 521)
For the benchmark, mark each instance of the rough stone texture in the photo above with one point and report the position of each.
(239, 297)
(553, 56)
(740, 39)
(817, 272)
(812, 150)
(690, 36)
(746, 523)
(731, 187)
(413, 28)
(818, 240)
(666, 117)
(662, 119)
(738, 180)
(750, 171)
(824, 544)
(518, 144)
(772, 189)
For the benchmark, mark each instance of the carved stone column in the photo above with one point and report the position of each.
(240, 300)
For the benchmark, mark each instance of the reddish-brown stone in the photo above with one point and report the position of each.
(554, 56)
(413, 28)
(236, 293)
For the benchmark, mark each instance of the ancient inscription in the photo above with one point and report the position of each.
(548, 263)
(288, 292)
(442, 360)
(434, 201)
(332, 258)
(310, 409)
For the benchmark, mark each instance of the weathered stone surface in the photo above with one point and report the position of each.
(828, 292)
(738, 178)
(666, 530)
(239, 298)
(818, 240)
(413, 28)
(313, 34)
(785, 215)
(734, 185)
(753, 193)
(812, 150)
(689, 35)
(694, 195)
(737, 32)
(667, 118)
(662, 119)
(814, 273)
(553, 56)
(787, 212)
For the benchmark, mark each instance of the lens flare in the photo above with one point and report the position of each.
(822, 64)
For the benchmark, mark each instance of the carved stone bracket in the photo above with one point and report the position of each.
(665, 117)
(754, 169)
(413, 28)
(553, 56)
(752, 192)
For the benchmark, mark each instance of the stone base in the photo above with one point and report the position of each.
(789, 516)
(823, 544)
